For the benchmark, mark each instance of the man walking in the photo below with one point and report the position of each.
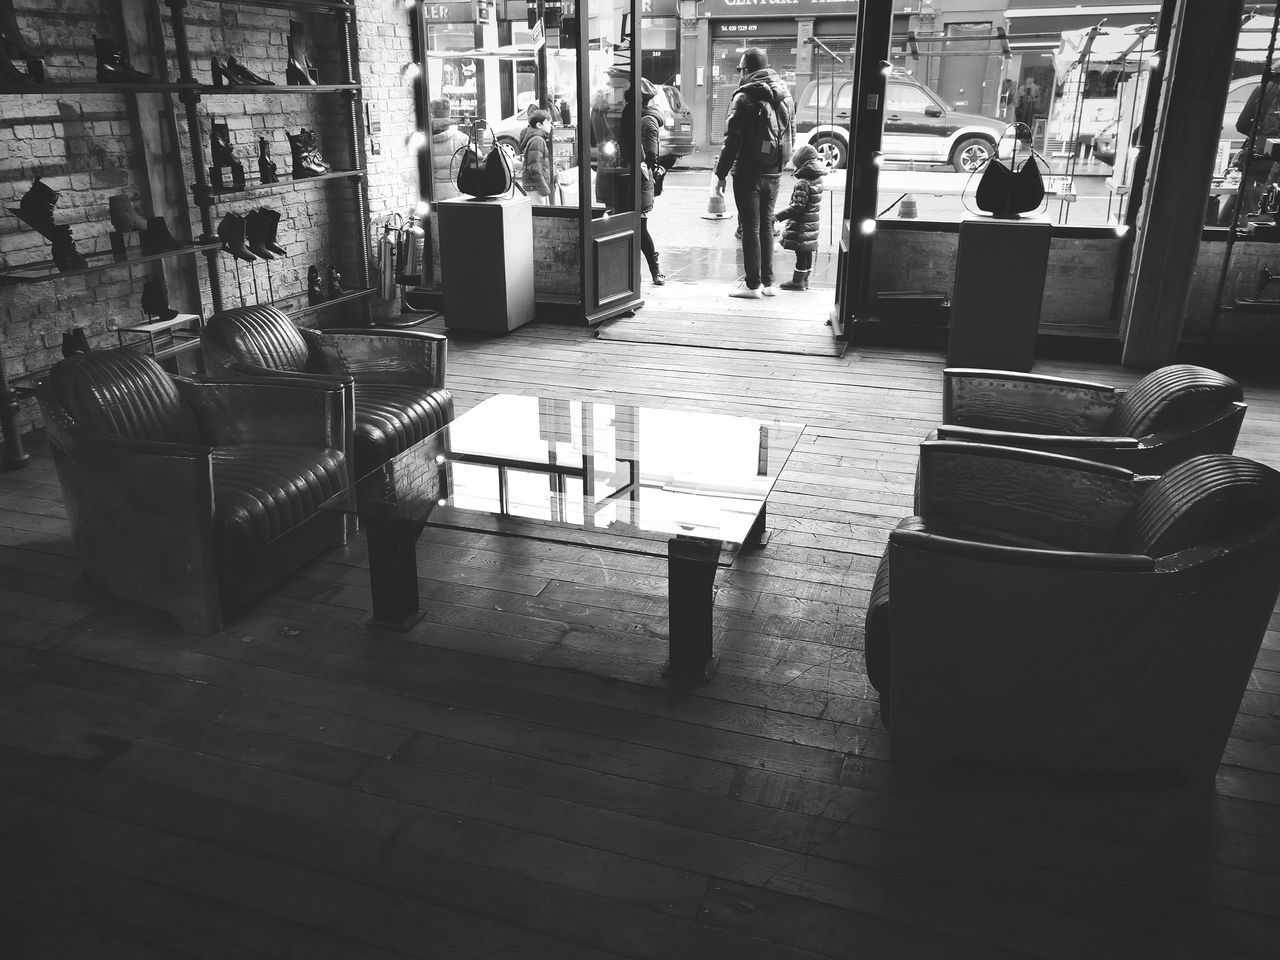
(757, 144)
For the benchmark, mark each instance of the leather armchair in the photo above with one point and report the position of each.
(398, 397)
(1171, 414)
(1059, 614)
(193, 497)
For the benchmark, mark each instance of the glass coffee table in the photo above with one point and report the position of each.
(690, 486)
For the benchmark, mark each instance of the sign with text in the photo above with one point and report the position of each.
(779, 8)
(450, 11)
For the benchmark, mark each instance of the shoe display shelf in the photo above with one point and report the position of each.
(55, 88)
(163, 339)
(207, 196)
(232, 193)
(44, 270)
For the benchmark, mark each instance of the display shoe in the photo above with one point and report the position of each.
(255, 230)
(10, 75)
(307, 161)
(155, 300)
(231, 231)
(65, 255)
(220, 145)
(299, 72)
(315, 292)
(235, 73)
(36, 209)
(124, 216)
(156, 238)
(11, 40)
(272, 218)
(799, 281)
(266, 166)
(113, 65)
(74, 342)
(334, 283)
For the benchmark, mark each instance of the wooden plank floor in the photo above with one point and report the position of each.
(511, 778)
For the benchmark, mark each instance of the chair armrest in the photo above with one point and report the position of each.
(1004, 400)
(1064, 502)
(918, 537)
(383, 356)
(1076, 446)
(309, 413)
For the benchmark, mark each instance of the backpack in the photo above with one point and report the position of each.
(764, 137)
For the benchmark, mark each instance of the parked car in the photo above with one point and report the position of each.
(918, 125)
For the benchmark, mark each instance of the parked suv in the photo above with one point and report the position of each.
(918, 125)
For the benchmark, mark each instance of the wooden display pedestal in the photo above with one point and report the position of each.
(486, 258)
(995, 309)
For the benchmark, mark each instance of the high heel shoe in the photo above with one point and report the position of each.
(272, 220)
(235, 74)
(156, 238)
(298, 71)
(155, 300)
(315, 292)
(231, 233)
(255, 229)
(223, 158)
(113, 65)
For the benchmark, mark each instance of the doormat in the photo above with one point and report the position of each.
(702, 315)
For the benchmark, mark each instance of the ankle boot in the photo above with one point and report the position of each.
(74, 342)
(124, 217)
(255, 229)
(113, 65)
(15, 50)
(315, 292)
(307, 161)
(299, 72)
(658, 277)
(266, 166)
(223, 158)
(231, 233)
(335, 283)
(799, 281)
(36, 211)
(155, 300)
(272, 220)
(156, 238)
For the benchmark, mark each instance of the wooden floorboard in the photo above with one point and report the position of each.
(511, 778)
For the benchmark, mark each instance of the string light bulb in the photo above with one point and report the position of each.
(416, 140)
(867, 227)
(886, 67)
(410, 71)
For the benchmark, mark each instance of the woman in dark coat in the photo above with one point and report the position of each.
(650, 142)
(803, 214)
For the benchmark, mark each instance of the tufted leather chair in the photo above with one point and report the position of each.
(1171, 414)
(193, 497)
(1060, 614)
(398, 394)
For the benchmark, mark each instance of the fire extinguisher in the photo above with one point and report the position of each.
(386, 258)
(410, 248)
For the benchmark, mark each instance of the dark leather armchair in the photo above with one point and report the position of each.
(193, 497)
(399, 395)
(1059, 614)
(1171, 414)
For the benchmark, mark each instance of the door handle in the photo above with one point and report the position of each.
(893, 117)
(843, 116)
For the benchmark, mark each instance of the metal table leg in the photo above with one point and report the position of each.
(691, 575)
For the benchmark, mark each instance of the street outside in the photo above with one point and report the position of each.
(686, 240)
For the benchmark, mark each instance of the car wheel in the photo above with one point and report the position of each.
(830, 151)
(971, 153)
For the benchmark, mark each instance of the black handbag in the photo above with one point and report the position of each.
(490, 176)
(659, 173)
(1005, 193)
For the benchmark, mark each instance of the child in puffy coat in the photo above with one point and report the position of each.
(802, 215)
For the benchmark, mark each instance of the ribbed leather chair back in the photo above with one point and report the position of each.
(1215, 497)
(1168, 396)
(125, 393)
(259, 335)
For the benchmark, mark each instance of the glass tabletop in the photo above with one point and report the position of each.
(612, 475)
